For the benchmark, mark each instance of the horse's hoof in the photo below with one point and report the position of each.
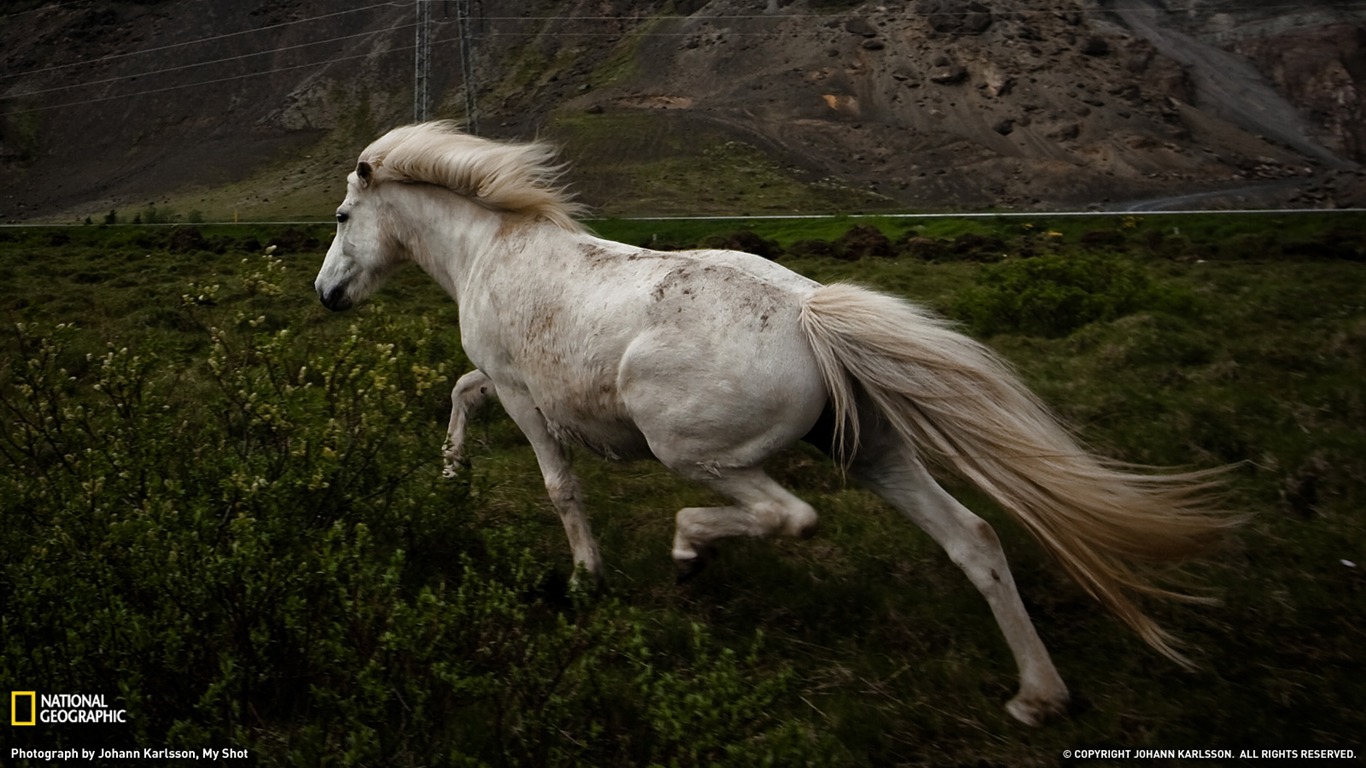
(586, 583)
(1035, 712)
(688, 567)
(453, 466)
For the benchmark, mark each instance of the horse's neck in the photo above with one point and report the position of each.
(462, 244)
(514, 254)
(447, 236)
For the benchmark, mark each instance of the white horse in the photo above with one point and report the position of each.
(713, 361)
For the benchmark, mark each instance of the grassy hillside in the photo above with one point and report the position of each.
(223, 509)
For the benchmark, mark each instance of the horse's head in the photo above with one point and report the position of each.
(378, 225)
(364, 251)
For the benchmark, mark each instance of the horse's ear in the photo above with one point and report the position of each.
(364, 172)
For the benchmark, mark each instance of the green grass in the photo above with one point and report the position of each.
(242, 536)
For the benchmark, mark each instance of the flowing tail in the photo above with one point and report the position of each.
(953, 399)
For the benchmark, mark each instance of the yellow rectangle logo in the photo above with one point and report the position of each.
(14, 698)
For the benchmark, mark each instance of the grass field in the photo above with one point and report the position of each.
(223, 510)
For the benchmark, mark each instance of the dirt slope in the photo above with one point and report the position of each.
(727, 106)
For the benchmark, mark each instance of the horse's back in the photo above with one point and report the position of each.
(692, 356)
(721, 373)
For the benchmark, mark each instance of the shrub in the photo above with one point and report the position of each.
(1053, 295)
(183, 239)
(745, 240)
(255, 549)
(863, 240)
(971, 246)
(920, 247)
(806, 248)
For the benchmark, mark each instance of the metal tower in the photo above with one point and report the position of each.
(462, 13)
(422, 64)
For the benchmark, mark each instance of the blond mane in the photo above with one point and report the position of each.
(520, 178)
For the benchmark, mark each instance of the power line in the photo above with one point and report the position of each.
(462, 11)
(41, 7)
(467, 38)
(199, 84)
(197, 41)
(227, 60)
(1046, 11)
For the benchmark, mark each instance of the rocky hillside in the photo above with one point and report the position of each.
(685, 106)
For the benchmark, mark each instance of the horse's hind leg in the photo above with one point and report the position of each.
(470, 391)
(763, 508)
(902, 479)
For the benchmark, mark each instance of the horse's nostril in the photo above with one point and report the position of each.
(335, 299)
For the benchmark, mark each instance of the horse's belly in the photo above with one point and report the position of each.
(616, 440)
(582, 406)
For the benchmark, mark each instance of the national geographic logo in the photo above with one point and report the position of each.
(29, 708)
(21, 702)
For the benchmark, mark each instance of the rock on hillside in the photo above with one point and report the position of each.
(690, 105)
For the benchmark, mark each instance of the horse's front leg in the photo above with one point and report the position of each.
(560, 482)
(470, 391)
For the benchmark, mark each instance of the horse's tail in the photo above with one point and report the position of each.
(952, 398)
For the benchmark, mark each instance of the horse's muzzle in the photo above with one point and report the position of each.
(335, 298)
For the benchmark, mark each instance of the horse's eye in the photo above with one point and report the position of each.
(342, 217)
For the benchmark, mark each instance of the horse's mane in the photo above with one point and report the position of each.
(520, 178)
